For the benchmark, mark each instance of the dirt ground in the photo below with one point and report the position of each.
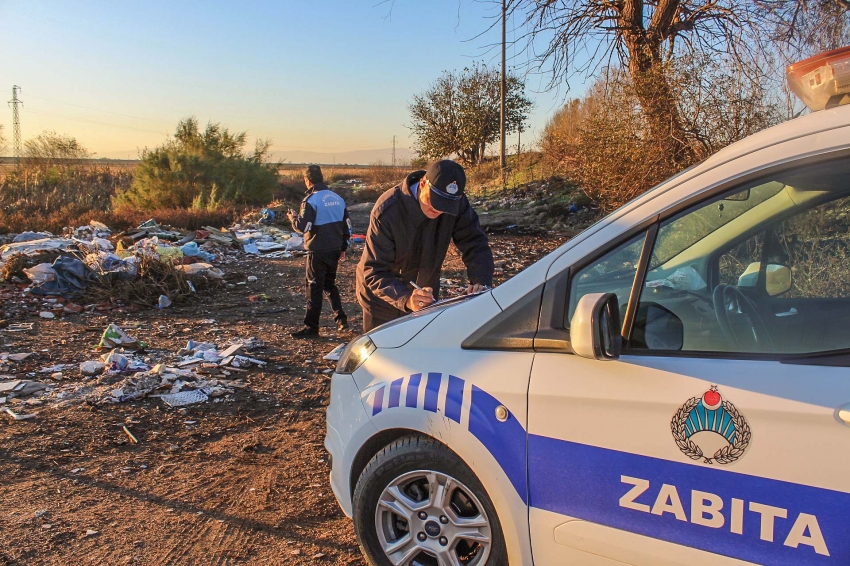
(239, 481)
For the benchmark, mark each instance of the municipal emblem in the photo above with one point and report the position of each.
(710, 425)
(452, 188)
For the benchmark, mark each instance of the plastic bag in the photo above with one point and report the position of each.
(295, 243)
(41, 273)
(202, 269)
(192, 250)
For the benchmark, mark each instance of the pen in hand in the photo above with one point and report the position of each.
(421, 297)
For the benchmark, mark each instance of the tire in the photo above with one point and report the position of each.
(396, 515)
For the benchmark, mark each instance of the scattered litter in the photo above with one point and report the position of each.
(114, 337)
(184, 398)
(91, 368)
(47, 314)
(21, 387)
(202, 269)
(16, 416)
(133, 439)
(91, 532)
(334, 354)
(18, 327)
(17, 357)
(164, 302)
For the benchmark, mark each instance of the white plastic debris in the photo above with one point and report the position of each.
(184, 398)
(16, 416)
(92, 367)
(334, 354)
(114, 337)
(41, 273)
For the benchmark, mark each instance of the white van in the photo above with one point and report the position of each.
(671, 386)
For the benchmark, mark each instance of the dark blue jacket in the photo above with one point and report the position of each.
(323, 219)
(404, 245)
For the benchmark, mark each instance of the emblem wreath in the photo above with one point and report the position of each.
(725, 455)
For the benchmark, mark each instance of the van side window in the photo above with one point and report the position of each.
(763, 270)
(612, 273)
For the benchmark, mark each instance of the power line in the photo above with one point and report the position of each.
(93, 121)
(16, 121)
(99, 109)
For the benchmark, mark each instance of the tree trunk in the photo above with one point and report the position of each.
(658, 105)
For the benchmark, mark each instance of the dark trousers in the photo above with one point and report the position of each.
(370, 321)
(321, 278)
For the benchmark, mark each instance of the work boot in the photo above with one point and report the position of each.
(306, 332)
(342, 325)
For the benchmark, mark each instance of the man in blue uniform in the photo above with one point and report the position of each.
(323, 219)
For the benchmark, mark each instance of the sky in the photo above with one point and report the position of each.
(327, 76)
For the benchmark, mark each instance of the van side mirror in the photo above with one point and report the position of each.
(595, 327)
(778, 279)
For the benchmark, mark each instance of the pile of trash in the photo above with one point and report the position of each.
(91, 257)
(126, 371)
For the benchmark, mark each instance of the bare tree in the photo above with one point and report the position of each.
(2, 141)
(565, 37)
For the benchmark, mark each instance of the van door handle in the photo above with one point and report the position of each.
(790, 312)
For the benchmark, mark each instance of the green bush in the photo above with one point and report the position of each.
(201, 170)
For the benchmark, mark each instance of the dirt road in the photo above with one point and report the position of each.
(240, 481)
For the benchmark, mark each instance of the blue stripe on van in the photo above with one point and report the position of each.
(432, 390)
(454, 398)
(378, 401)
(413, 390)
(395, 393)
(504, 440)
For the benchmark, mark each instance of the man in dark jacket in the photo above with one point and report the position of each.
(323, 219)
(409, 232)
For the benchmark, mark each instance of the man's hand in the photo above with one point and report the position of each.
(477, 288)
(420, 299)
(290, 214)
(342, 257)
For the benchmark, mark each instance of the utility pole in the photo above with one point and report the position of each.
(502, 160)
(393, 152)
(16, 123)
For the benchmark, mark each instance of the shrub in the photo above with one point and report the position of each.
(201, 170)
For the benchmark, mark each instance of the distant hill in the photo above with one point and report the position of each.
(403, 155)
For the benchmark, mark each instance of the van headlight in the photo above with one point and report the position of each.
(357, 352)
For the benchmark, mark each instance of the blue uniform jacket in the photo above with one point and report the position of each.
(323, 219)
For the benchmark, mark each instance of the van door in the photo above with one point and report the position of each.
(716, 437)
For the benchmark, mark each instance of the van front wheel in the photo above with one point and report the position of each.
(418, 504)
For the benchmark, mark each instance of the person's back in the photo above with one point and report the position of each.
(323, 219)
(329, 228)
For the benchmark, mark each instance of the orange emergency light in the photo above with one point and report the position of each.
(822, 81)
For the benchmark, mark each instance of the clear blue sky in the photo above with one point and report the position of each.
(321, 75)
